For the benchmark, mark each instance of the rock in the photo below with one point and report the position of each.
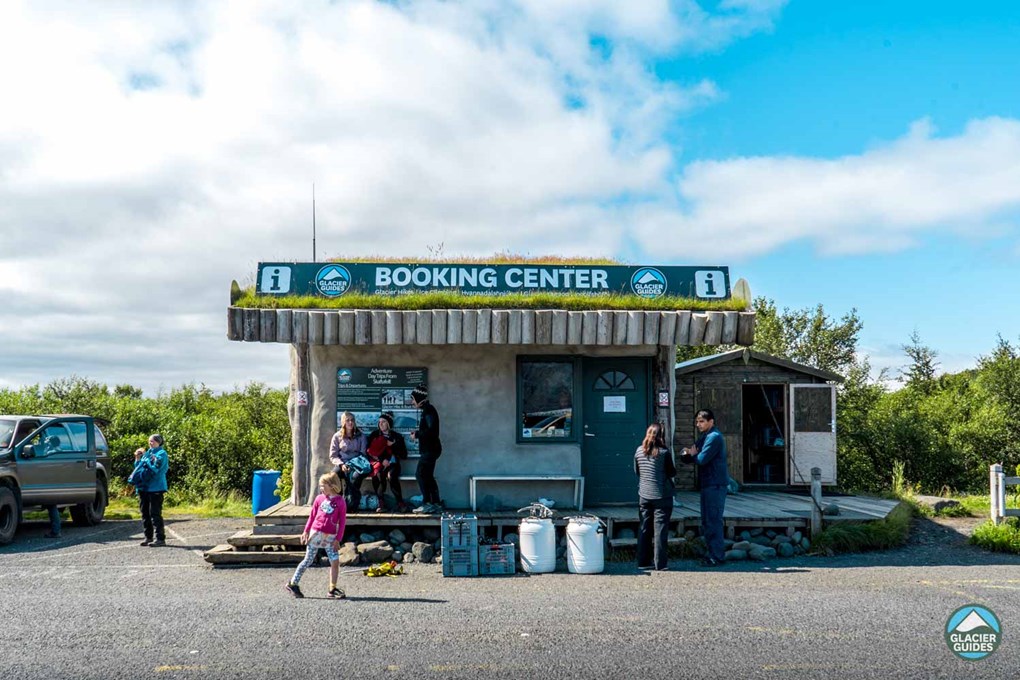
(349, 557)
(397, 556)
(689, 535)
(512, 538)
(770, 533)
(408, 558)
(350, 545)
(736, 555)
(790, 531)
(761, 540)
(757, 531)
(785, 550)
(406, 546)
(727, 543)
(397, 537)
(756, 555)
(379, 535)
(626, 533)
(423, 552)
(376, 551)
(745, 535)
(759, 553)
(743, 545)
(439, 560)
(367, 538)
(937, 503)
(805, 543)
(768, 553)
(782, 540)
(831, 510)
(796, 537)
(798, 550)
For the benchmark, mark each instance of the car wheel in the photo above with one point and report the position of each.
(91, 514)
(8, 515)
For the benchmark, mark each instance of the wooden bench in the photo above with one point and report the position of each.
(576, 479)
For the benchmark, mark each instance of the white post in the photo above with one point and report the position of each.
(995, 484)
(816, 505)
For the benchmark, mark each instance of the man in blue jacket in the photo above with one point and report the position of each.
(709, 454)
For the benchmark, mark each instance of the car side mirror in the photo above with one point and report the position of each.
(28, 451)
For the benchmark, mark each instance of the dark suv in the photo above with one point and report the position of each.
(52, 460)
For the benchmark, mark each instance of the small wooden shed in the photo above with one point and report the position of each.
(778, 416)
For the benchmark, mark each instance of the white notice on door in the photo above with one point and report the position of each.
(614, 404)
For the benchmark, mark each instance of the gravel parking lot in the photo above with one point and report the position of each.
(95, 604)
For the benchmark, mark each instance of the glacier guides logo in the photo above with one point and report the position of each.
(973, 632)
(648, 282)
(333, 280)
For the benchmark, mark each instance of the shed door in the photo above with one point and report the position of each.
(725, 402)
(812, 432)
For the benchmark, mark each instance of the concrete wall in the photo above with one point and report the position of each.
(474, 388)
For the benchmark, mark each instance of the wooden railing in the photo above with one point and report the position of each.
(998, 481)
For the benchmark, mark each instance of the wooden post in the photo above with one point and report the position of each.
(714, 329)
(284, 325)
(378, 327)
(619, 328)
(424, 327)
(635, 328)
(543, 327)
(439, 318)
(528, 327)
(664, 380)
(330, 328)
(699, 322)
(410, 321)
(251, 325)
(300, 423)
(996, 493)
(454, 325)
(362, 327)
(394, 328)
(299, 330)
(729, 332)
(267, 326)
(235, 323)
(345, 334)
(603, 328)
(683, 328)
(816, 502)
(745, 329)
(560, 328)
(514, 327)
(483, 334)
(575, 328)
(667, 329)
(652, 328)
(469, 327)
(500, 326)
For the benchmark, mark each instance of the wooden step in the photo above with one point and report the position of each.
(632, 542)
(226, 555)
(246, 538)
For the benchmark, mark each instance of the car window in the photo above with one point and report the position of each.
(79, 435)
(101, 444)
(7, 432)
(53, 439)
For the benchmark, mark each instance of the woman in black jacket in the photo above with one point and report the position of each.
(430, 448)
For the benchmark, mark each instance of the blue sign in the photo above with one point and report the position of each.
(386, 278)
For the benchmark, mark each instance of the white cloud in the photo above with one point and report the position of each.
(151, 152)
(884, 199)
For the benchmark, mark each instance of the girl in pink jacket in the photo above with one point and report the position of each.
(324, 530)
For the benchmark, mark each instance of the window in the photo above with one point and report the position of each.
(613, 380)
(545, 399)
(101, 444)
(53, 439)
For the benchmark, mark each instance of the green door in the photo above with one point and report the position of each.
(616, 415)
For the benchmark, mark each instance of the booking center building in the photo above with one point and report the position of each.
(545, 396)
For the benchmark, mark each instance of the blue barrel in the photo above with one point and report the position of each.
(263, 486)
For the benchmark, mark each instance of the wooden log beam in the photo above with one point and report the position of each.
(378, 327)
(394, 327)
(345, 328)
(575, 328)
(619, 328)
(652, 327)
(299, 327)
(316, 322)
(713, 331)
(410, 322)
(251, 325)
(483, 330)
(543, 327)
(423, 330)
(667, 329)
(331, 328)
(469, 327)
(604, 328)
(454, 326)
(500, 327)
(635, 328)
(729, 331)
(235, 323)
(362, 327)
(745, 329)
(439, 318)
(683, 328)
(699, 322)
(515, 329)
(284, 326)
(528, 327)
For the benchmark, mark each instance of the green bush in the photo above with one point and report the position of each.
(882, 535)
(215, 442)
(1003, 537)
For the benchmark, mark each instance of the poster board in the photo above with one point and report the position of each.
(367, 391)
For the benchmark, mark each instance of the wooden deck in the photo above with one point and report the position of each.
(745, 509)
(274, 538)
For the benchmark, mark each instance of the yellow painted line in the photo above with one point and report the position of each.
(164, 669)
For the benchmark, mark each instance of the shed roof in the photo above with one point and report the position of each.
(700, 363)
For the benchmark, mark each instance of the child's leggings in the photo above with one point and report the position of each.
(315, 542)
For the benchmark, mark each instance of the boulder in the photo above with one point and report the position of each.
(785, 550)
(689, 535)
(937, 503)
(376, 551)
(408, 558)
(782, 540)
(831, 510)
(423, 552)
(439, 560)
(727, 543)
(397, 556)
(796, 537)
(736, 555)
(349, 545)
(761, 540)
(367, 538)
(798, 550)
(397, 537)
(742, 545)
(406, 546)
(757, 531)
(805, 543)
(349, 557)
(761, 553)
(745, 535)
(770, 533)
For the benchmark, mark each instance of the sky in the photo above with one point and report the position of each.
(860, 155)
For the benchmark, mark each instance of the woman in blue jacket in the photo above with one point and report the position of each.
(150, 498)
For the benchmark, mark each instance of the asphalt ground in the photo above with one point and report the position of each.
(96, 605)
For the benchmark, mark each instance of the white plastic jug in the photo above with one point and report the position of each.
(538, 545)
(585, 546)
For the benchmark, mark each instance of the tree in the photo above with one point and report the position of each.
(920, 374)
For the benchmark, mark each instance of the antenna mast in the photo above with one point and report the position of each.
(313, 221)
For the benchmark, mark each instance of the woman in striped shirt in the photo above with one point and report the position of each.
(653, 463)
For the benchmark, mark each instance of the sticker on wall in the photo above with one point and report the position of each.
(663, 398)
(614, 404)
(301, 397)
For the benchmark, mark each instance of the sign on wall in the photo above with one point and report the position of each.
(335, 279)
(368, 391)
